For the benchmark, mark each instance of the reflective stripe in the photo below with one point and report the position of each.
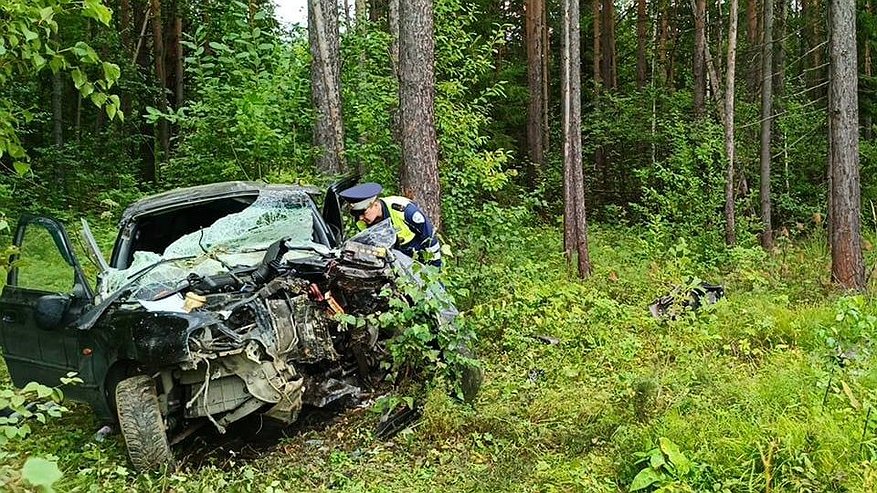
(398, 218)
(434, 248)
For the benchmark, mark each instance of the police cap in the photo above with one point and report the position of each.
(359, 197)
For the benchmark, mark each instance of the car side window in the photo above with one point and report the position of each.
(41, 266)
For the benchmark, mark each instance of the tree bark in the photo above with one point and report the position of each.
(766, 122)
(779, 61)
(179, 70)
(361, 11)
(535, 12)
(642, 21)
(699, 62)
(847, 264)
(868, 69)
(377, 10)
(597, 8)
(730, 226)
(610, 69)
(575, 223)
(752, 36)
(420, 174)
(158, 55)
(323, 36)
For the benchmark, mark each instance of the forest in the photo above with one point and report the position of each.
(579, 159)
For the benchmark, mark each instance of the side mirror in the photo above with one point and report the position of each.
(51, 310)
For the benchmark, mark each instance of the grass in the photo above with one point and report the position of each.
(752, 390)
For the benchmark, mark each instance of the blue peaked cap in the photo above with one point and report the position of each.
(361, 192)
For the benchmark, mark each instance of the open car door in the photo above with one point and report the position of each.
(45, 292)
(332, 214)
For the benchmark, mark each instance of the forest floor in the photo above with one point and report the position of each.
(771, 389)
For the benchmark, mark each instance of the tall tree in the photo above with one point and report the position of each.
(699, 62)
(158, 56)
(608, 51)
(575, 230)
(420, 177)
(766, 122)
(323, 36)
(537, 80)
(642, 21)
(752, 42)
(730, 226)
(847, 264)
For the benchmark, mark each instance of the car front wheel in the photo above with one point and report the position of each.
(141, 424)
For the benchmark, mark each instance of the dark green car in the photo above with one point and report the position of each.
(217, 302)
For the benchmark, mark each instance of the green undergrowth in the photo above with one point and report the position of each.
(770, 389)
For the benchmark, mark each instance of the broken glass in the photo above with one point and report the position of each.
(238, 239)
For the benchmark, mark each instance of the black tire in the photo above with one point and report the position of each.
(141, 424)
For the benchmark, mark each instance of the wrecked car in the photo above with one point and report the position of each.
(218, 302)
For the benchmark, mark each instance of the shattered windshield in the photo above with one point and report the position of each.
(238, 239)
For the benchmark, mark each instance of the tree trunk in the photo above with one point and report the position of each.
(160, 74)
(536, 80)
(642, 21)
(575, 223)
(766, 122)
(812, 38)
(377, 10)
(847, 264)
(730, 227)
(752, 36)
(393, 7)
(420, 174)
(699, 63)
(361, 11)
(662, 39)
(779, 61)
(546, 74)
(179, 70)
(326, 85)
(868, 69)
(598, 43)
(125, 34)
(609, 65)
(146, 130)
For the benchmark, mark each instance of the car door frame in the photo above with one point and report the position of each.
(18, 318)
(332, 210)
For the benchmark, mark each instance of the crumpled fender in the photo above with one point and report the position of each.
(159, 338)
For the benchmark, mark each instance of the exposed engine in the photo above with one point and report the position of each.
(274, 340)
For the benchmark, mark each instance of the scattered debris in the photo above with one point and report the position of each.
(681, 298)
(535, 375)
(551, 341)
(395, 421)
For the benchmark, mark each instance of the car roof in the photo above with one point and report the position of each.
(204, 193)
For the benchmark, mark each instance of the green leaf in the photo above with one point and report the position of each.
(99, 98)
(645, 478)
(28, 34)
(46, 13)
(41, 472)
(111, 72)
(86, 89)
(21, 168)
(78, 78)
(97, 10)
(111, 110)
(677, 458)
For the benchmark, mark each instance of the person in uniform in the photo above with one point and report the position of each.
(415, 234)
